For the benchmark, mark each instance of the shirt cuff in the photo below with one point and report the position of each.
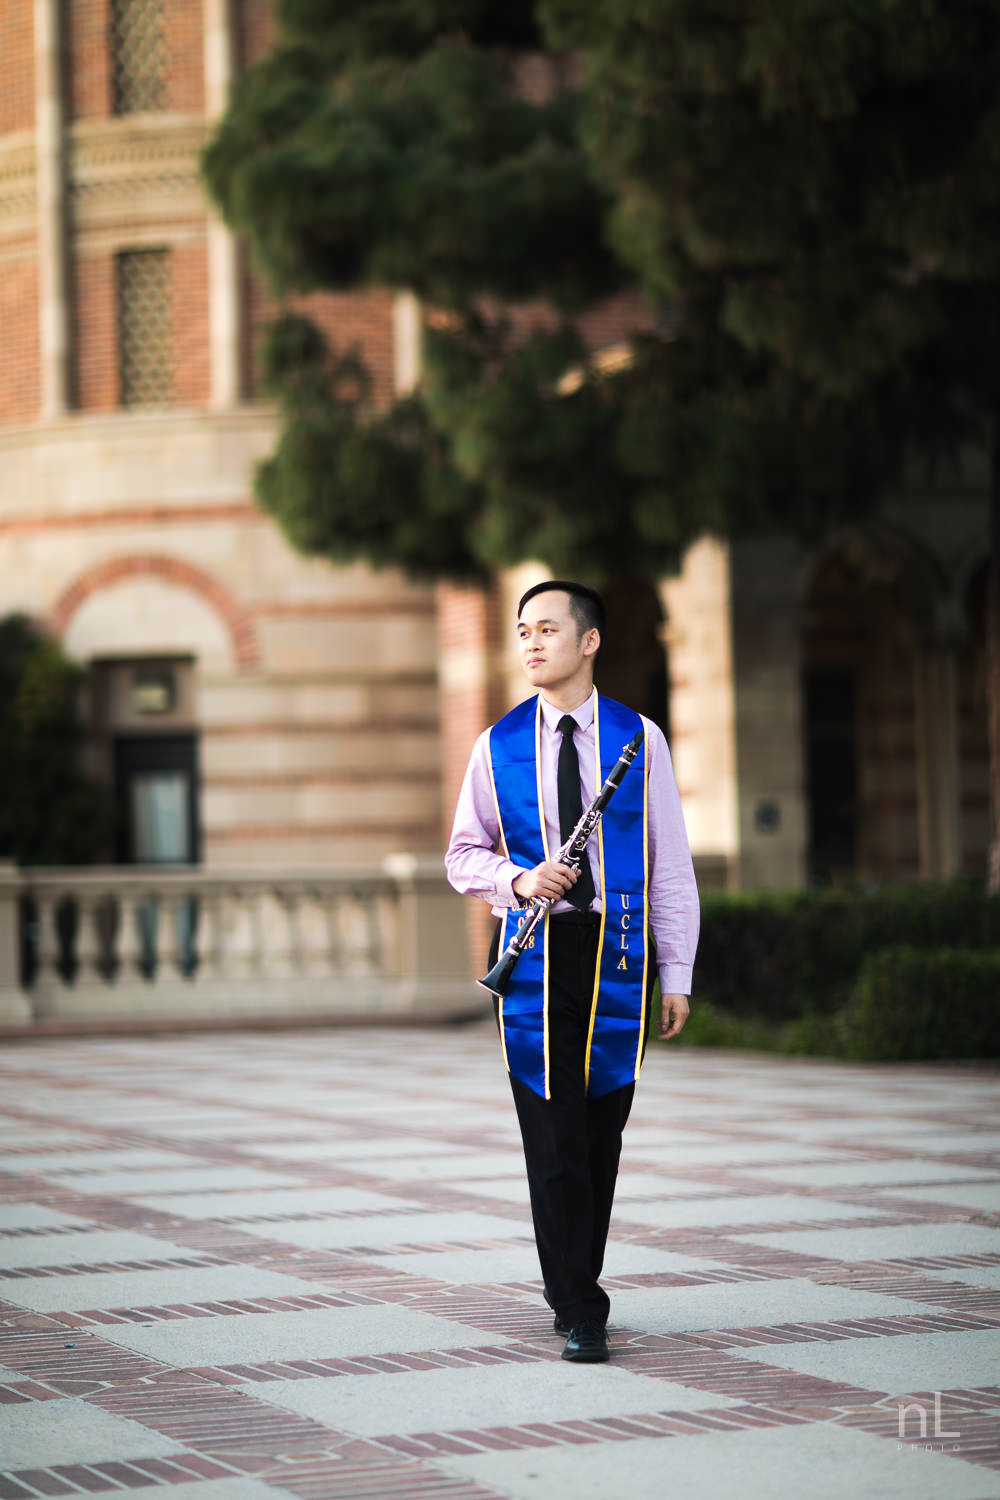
(675, 979)
(506, 875)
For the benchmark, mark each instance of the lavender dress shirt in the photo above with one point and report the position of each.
(476, 868)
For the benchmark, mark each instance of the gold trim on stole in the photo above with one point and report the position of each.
(598, 783)
(645, 901)
(545, 850)
(503, 925)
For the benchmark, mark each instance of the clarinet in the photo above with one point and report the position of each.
(572, 854)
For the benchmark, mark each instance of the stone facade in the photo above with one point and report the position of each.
(826, 712)
(132, 532)
(828, 708)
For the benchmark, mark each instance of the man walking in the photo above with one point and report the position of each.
(573, 1021)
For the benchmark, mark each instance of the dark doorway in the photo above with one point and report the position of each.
(830, 702)
(156, 785)
(973, 728)
(633, 664)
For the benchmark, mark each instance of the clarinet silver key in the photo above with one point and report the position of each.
(572, 853)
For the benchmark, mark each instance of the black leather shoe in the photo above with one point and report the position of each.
(558, 1326)
(587, 1344)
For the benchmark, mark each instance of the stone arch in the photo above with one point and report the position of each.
(886, 554)
(172, 571)
(883, 629)
(970, 571)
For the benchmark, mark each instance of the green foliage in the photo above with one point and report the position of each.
(430, 173)
(343, 484)
(786, 955)
(913, 1003)
(352, 31)
(49, 813)
(892, 975)
(805, 192)
(708, 1026)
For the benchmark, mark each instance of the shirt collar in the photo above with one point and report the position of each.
(584, 715)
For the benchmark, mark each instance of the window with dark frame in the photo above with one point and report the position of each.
(138, 56)
(143, 297)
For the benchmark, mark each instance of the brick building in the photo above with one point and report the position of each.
(826, 711)
(266, 707)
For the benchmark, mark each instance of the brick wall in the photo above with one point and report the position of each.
(90, 69)
(362, 318)
(470, 635)
(19, 368)
(185, 57)
(190, 332)
(17, 66)
(615, 319)
(87, 28)
(605, 324)
(95, 329)
(255, 30)
(469, 626)
(94, 335)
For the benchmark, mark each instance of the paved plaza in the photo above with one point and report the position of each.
(299, 1264)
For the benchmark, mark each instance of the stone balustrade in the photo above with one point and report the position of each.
(171, 944)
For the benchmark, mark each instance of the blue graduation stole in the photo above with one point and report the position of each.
(618, 1009)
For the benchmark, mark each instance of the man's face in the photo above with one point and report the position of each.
(551, 652)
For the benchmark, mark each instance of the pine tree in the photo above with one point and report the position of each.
(806, 193)
(50, 814)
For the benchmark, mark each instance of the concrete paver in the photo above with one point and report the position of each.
(37, 1434)
(815, 1464)
(84, 1291)
(255, 1266)
(500, 1395)
(78, 1246)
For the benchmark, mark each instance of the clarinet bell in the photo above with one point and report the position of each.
(497, 980)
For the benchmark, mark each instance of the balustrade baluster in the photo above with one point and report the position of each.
(49, 975)
(185, 929)
(129, 945)
(372, 944)
(88, 947)
(258, 944)
(238, 933)
(313, 931)
(211, 953)
(180, 919)
(275, 933)
(291, 900)
(164, 941)
(331, 915)
(266, 939)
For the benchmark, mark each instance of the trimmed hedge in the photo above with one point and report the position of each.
(899, 973)
(913, 1003)
(785, 956)
(909, 1005)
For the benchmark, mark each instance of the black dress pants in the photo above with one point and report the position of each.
(572, 1143)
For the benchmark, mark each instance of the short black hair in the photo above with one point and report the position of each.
(586, 605)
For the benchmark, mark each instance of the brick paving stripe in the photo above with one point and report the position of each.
(301, 1265)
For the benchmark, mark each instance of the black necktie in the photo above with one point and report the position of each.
(571, 810)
